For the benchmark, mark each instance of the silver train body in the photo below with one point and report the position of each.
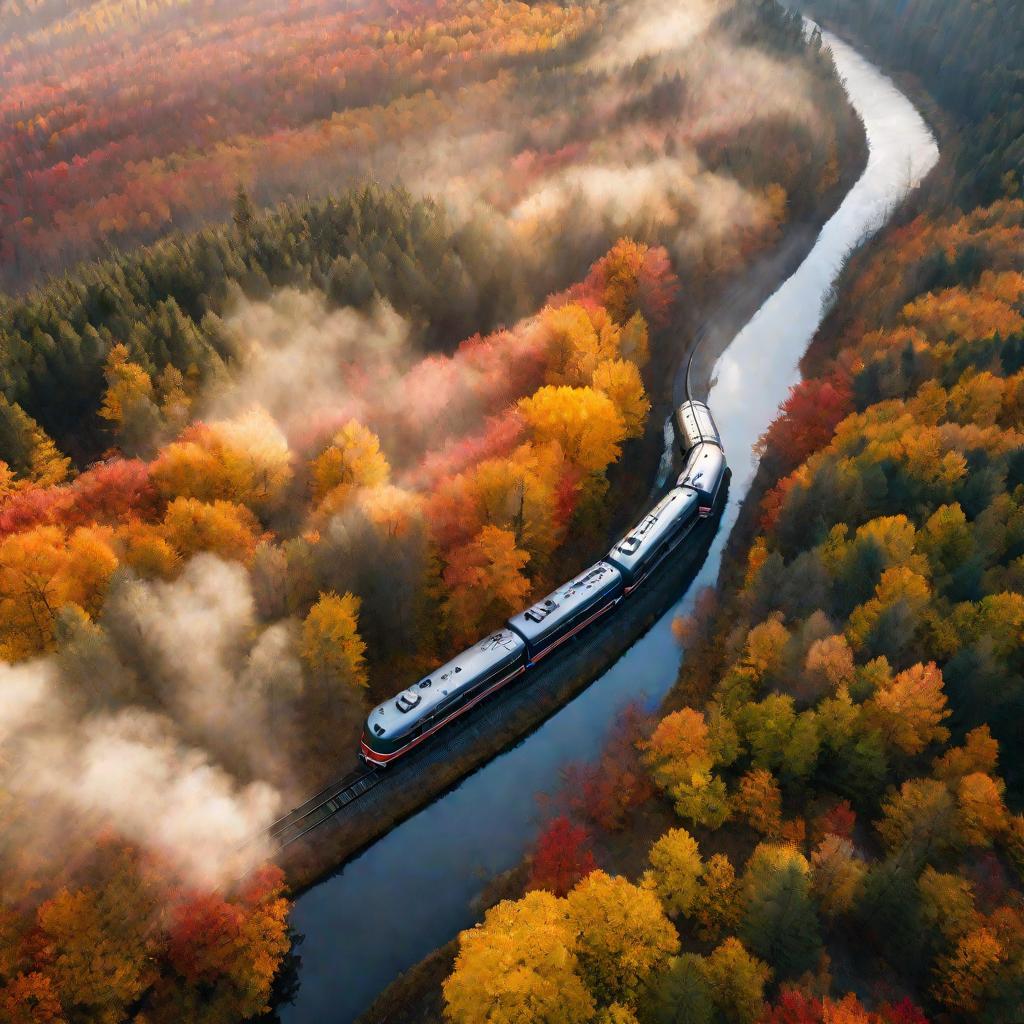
(396, 726)
(703, 475)
(656, 535)
(403, 722)
(568, 610)
(695, 425)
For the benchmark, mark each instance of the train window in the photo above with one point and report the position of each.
(424, 684)
(378, 729)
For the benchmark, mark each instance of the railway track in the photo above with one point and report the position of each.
(301, 820)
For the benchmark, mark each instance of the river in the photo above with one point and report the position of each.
(414, 889)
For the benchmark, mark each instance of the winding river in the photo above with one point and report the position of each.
(415, 888)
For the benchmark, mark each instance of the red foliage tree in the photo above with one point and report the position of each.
(607, 791)
(562, 857)
(839, 820)
(808, 419)
(794, 1007)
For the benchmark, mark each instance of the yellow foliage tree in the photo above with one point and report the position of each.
(41, 570)
(331, 645)
(352, 460)
(676, 870)
(584, 422)
(836, 875)
(620, 380)
(909, 710)
(221, 527)
(736, 980)
(519, 967)
(624, 936)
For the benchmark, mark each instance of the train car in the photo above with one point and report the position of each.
(703, 473)
(396, 726)
(655, 536)
(695, 425)
(569, 609)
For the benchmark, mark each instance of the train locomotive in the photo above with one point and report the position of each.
(402, 723)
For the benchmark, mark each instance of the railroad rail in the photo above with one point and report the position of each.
(301, 820)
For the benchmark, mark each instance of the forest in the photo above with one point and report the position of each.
(823, 824)
(969, 56)
(322, 429)
(121, 121)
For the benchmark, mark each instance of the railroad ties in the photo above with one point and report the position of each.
(315, 811)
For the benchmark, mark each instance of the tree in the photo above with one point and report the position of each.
(910, 710)
(680, 994)
(331, 645)
(30, 999)
(624, 936)
(485, 583)
(717, 907)
(779, 920)
(245, 460)
(584, 422)
(221, 527)
(562, 857)
(620, 380)
(678, 747)
(759, 800)
(519, 965)
(836, 875)
(226, 952)
(27, 449)
(634, 343)
(578, 340)
(982, 813)
(947, 903)
(680, 756)
(736, 981)
(979, 753)
(243, 214)
(42, 570)
(632, 278)
(921, 818)
(676, 870)
(99, 944)
(963, 975)
(351, 461)
(839, 820)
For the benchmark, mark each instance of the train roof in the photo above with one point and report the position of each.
(696, 424)
(632, 549)
(704, 468)
(403, 711)
(541, 618)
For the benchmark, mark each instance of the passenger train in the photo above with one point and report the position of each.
(396, 726)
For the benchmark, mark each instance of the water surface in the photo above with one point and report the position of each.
(413, 890)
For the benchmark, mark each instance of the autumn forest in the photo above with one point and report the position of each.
(332, 335)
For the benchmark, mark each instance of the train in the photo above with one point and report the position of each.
(408, 719)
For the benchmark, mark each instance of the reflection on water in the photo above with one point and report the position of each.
(413, 890)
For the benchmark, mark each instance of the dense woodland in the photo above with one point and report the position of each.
(257, 471)
(122, 120)
(830, 800)
(971, 58)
